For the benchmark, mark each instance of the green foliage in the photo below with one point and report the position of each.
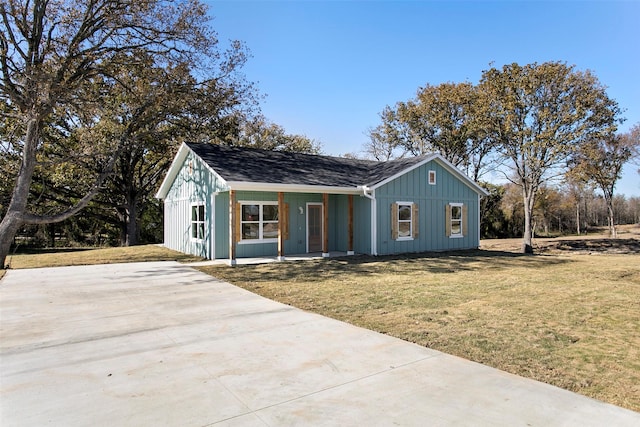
(151, 109)
(117, 86)
(58, 63)
(258, 132)
(493, 222)
(447, 119)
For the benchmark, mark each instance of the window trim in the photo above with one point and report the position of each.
(410, 221)
(198, 221)
(260, 222)
(459, 235)
(431, 174)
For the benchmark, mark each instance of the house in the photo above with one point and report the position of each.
(223, 202)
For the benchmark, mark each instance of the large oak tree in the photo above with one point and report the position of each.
(153, 109)
(448, 118)
(541, 114)
(55, 57)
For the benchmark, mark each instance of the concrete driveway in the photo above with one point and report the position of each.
(160, 344)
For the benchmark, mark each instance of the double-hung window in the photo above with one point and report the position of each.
(456, 220)
(259, 221)
(404, 221)
(197, 221)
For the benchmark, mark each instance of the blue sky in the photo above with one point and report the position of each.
(328, 68)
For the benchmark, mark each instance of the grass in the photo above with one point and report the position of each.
(571, 320)
(38, 258)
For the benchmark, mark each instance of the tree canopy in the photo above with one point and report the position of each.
(446, 118)
(528, 119)
(600, 161)
(61, 61)
(543, 113)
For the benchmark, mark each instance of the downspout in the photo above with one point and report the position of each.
(371, 195)
(212, 226)
(479, 224)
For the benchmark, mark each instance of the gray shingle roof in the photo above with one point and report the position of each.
(243, 164)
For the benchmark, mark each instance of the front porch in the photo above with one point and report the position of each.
(295, 226)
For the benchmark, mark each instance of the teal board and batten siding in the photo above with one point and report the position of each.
(361, 225)
(297, 242)
(194, 184)
(432, 200)
(339, 223)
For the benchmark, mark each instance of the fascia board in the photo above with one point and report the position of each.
(454, 170)
(291, 188)
(175, 168)
(173, 171)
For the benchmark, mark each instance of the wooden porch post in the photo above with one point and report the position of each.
(325, 225)
(232, 227)
(281, 220)
(350, 227)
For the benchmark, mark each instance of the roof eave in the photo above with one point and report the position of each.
(471, 183)
(175, 168)
(173, 171)
(292, 188)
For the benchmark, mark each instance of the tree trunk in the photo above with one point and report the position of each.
(8, 229)
(14, 217)
(578, 218)
(132, 223)
(52, 235)
(527, 238)
(613, 233)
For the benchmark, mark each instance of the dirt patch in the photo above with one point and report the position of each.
(597, 242)
(592, 246)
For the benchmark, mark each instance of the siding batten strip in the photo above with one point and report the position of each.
(325, 225)
(232, 227)
(350, 226)
(281, 220)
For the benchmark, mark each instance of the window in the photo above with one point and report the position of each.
(404, 221)
(197, 222)
(456, 220)
(259, 221)
(432, 177)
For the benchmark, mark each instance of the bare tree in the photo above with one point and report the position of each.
(600, 161)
